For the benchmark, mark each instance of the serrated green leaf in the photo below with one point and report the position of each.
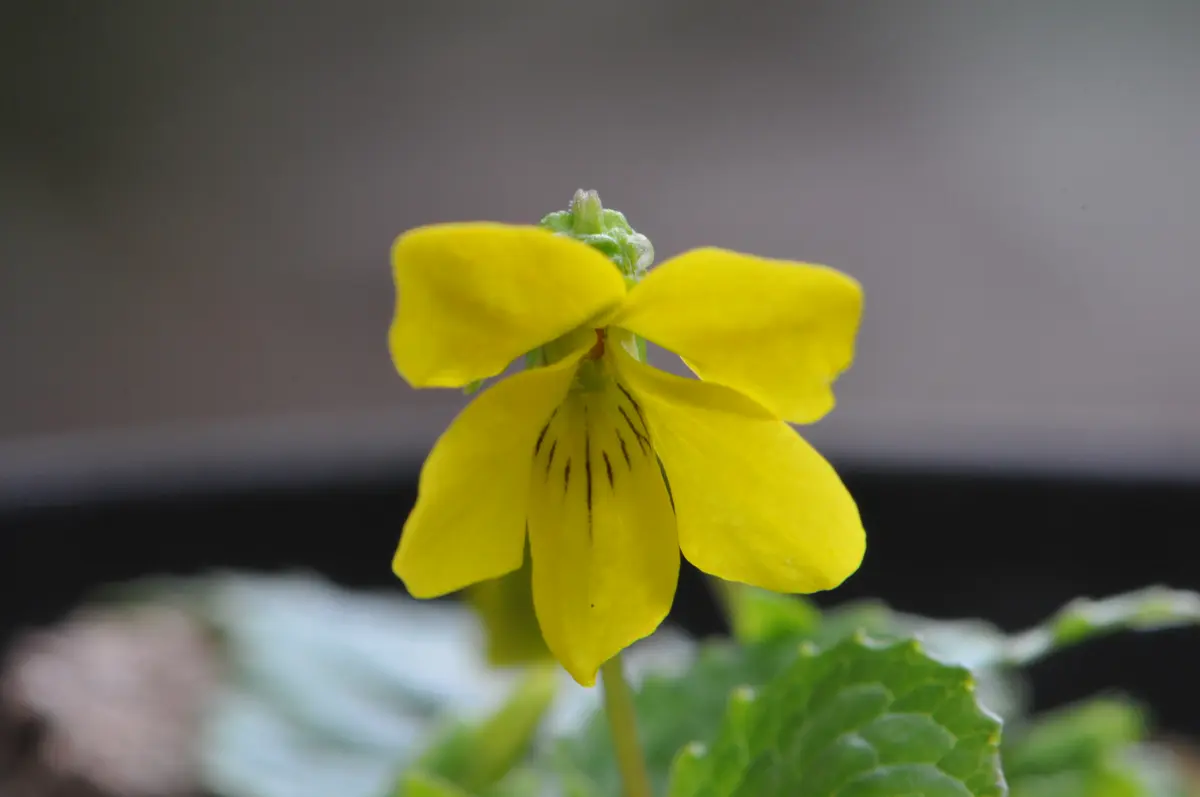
(972, 643)
(975, 644)
(671, 712)
(675, 711)
(861, 719)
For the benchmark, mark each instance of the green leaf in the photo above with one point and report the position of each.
(972, 643)
(975, 644)
(978, 644)
(1149, 609)
(331, 691)
(535, 358)
(476, 757)
(522, 782)
(1093, 749)
(1101, 782)
(423, 784)
(1076, 737)
(861, 719)
(504, 606)
(640, 342)
(756, 615)
(671, 711)
(675, 711)
(517, 783)
(1159, 771)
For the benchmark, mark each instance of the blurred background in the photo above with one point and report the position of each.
(197, 202)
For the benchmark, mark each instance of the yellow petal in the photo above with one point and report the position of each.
(468, 524)
(754, 503)
(779, 332)
(471, 298)
(505, 608)
(601, 532)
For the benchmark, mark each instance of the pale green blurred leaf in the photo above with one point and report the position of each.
(1092, 749)
(332, 692)
(1149, 609)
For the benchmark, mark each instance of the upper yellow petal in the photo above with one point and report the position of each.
(754, 503)
(601, 533)
(468, 524)
(778, 331)
(471, 298)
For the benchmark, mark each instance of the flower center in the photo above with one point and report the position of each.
(597, 350)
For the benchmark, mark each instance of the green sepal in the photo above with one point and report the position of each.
(504, 606)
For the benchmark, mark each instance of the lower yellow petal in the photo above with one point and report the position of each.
(777, 331)
(754, 502)
(601, 532)
(468, 524)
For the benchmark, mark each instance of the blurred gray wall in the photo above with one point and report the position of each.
(198, 200)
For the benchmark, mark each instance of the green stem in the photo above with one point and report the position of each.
(622, 722)
(724, 597)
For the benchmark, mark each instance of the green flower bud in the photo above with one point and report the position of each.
(607, 231)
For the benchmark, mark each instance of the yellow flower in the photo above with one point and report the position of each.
(567, 456)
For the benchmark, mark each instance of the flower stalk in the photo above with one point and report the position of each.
(622, 723)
